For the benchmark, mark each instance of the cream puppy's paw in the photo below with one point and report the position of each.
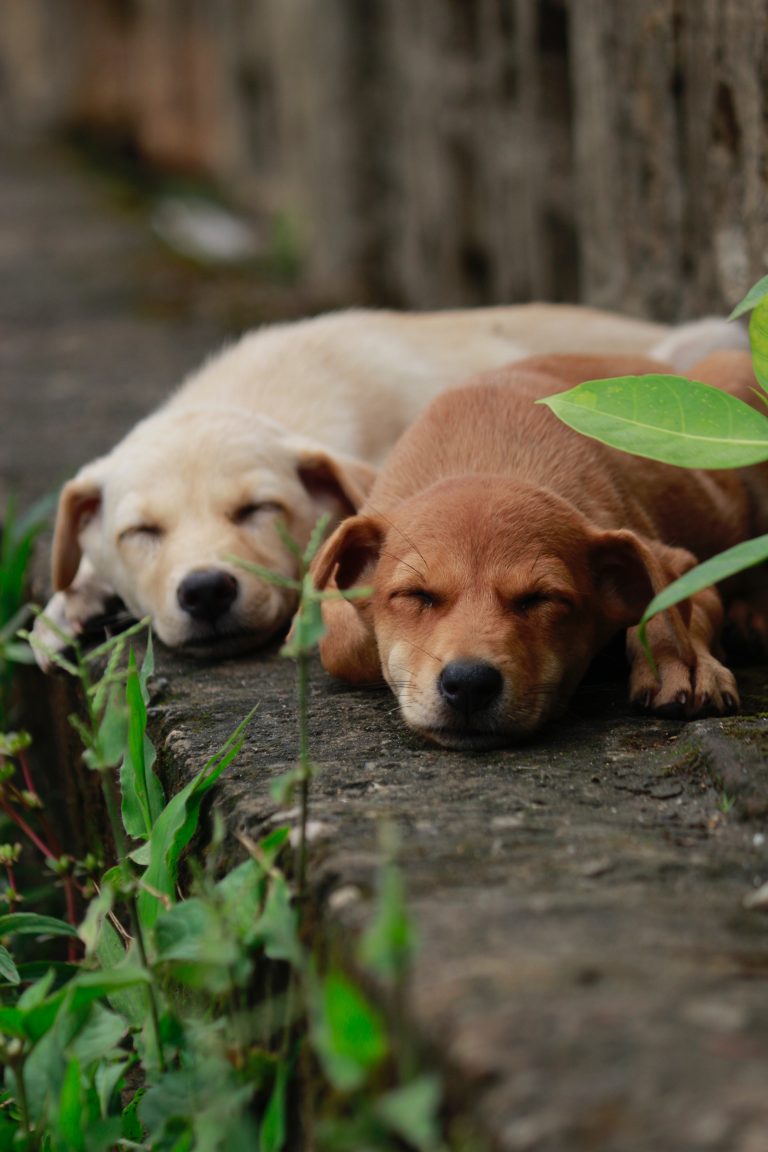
(66, 616)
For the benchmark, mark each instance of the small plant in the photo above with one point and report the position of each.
(683, 422)
(725, 803)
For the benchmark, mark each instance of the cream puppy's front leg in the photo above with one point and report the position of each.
(70, 611)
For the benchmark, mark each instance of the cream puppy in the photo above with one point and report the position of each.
(289, 422)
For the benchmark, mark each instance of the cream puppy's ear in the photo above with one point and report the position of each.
(338, 484)
(79, 502)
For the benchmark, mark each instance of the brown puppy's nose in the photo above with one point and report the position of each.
(469, 686)
(207, 594)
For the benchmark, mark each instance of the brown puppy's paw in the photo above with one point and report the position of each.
(681, 692)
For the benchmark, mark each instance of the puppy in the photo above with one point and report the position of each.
(504, 551)
(286, 424)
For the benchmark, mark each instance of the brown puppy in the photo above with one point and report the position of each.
(505, 550)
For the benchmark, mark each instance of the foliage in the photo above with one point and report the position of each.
(17, 536)
(687, 423)
(182, 1018)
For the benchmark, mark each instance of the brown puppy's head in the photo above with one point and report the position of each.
(490, 598)
(160, 517)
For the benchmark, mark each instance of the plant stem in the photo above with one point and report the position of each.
(30, 833)
(111, 800)
(17, 1064)
(154, 1012)
(304, 771)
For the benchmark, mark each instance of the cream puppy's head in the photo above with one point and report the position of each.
(162, 515)
(489, 600)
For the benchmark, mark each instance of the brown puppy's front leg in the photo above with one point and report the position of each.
(691, 682)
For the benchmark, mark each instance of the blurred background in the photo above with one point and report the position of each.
(422, 153)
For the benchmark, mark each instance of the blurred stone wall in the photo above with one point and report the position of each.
(440, 152)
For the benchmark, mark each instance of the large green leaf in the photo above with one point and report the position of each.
(720, 567)
(666, 418)
(758, 339)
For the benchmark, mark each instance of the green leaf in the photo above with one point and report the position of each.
(12, 1023)
(111, 735)
(758, 339)
(142, 793)
(387, 945)
(742, 556)
(99, 1037)
(411, 1112)
(19, 654)
(111, 954)
(107, 1078)
(307, 628)
(192, 939)
(666, 418)
(316, 539)
(756, 293)
(33, 924)
(292, 545)
(37, 992)
(98, 909)
(278, 925)
(70, 1118)
(348, 1034)
(265, 574)
(281, 788)
(8, 969)
(176, 825)
(273, 1129)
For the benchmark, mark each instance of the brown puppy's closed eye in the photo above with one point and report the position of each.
(504, 551)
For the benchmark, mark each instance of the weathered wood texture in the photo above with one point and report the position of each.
(438, 152)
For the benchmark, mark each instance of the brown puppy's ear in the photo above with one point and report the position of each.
(338, 484)
(348, 649)
(79, 502)
(629, 571)
(350, 553)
